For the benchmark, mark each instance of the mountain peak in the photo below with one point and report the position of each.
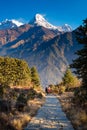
(18, 23)
(39, 20)
(39, 17)
(67, 28)
(8, 24)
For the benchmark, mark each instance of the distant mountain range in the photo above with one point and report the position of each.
(49, 48)
(8, 24)
(39, 20)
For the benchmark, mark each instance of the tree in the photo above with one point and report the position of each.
(69, 80)
(22, 72)
(14, 72)
(80, 64)
(34, 76)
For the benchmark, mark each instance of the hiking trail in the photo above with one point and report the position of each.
(50, 117)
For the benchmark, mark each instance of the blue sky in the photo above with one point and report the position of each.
(58, 12)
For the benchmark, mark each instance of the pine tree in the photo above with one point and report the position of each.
(34, 76)
(80, 64)
(69, 80)
(14, 72)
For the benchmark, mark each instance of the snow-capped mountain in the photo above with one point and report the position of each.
(8, 24)
(67, 28)
(18, 23)
(39, 20)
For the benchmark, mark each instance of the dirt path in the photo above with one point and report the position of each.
(50, 117)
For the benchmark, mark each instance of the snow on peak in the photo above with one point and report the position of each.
(66, 28)
(39, 17)
(18, 23)
(8, 24)
(41, 21)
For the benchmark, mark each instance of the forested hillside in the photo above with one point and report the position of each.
(19, 85)
(16, 72)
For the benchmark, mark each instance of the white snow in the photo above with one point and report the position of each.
(17, 22)
(41, 21)
(8, 24)
(38, 20)
(67, 27)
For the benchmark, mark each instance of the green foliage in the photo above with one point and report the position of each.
(62, 89)
(57, 89)
(26, 95)
(22, 98)
(80, 64)
(3, 91)
(69, 80)
(68, 77)
(39, 95)
(31, 94)
(54, 89)
(14, 71)
(34, 76)
(80, 95)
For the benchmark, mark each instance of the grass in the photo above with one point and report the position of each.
(74, 112)
(17, 120)
(21, 121)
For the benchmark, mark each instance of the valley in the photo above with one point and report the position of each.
(49, 49)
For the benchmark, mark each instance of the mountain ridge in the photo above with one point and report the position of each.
(51, 52)
(39, 20)
(9, 35)
(51, 56)
(9, 24)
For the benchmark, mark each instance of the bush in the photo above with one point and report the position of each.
(31, 94)
(5, 106)
(80, 96)
(5, 124)
(20, 106)
(70, 81)
(62, 89)
(4, 89)
(39, 95)
(24, 97)
(20, 122)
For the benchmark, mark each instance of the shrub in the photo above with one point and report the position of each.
(3, 90)
(83, 117)
(69, 80)
(80, 96)
(62, 89)
(31, 94)
(20, 122)
(22, 98)
(5, 106)
(39, 95)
